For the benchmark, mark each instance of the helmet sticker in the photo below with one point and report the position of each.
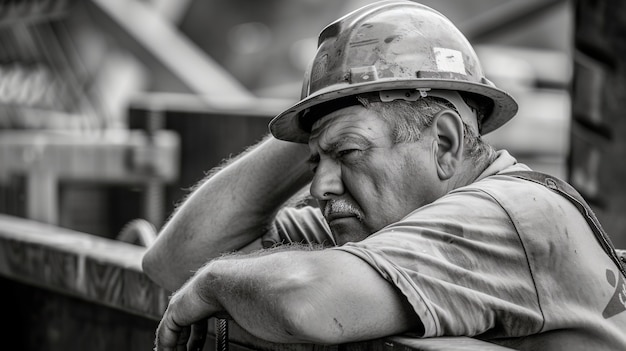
(449, 60)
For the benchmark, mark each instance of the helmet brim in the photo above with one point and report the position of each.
(289, 127)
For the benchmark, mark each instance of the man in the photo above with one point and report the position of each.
(432, 236)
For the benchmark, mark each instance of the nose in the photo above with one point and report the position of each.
(327, 180)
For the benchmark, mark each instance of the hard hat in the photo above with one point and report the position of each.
(390, 45)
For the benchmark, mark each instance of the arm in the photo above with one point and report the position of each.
(227, 211)
(325, 297)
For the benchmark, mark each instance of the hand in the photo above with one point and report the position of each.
(184, 323)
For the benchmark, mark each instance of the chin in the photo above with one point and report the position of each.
(345, 233)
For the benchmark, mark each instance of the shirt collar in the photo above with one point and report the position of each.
(504, 162)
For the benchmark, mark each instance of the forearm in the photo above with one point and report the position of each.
(227, 211)
(321, 297)
(259, 293)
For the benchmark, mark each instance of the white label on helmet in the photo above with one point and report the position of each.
(449, 60)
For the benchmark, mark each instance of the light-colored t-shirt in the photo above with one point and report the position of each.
(506, 260)
(304, 225)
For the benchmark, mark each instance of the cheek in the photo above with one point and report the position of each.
(375, 193)
(360, 184)
(400, 190)
(376, 182)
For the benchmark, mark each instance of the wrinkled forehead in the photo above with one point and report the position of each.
(349, 122)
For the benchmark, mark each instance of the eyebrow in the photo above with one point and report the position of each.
(359, 140)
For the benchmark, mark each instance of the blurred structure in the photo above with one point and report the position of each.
(64, 137)
(69, 71)
(110, 110)
(598, 143)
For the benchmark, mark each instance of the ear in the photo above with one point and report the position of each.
(449, 143)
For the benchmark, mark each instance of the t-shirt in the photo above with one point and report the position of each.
(304, 225)
(502, 259)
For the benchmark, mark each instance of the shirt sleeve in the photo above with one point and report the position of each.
(461, 265)
(304, 225)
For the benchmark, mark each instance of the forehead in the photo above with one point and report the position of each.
(353, 121)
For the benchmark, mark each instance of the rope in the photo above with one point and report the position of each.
(221, 334)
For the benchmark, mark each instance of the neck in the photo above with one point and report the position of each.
(469, 171)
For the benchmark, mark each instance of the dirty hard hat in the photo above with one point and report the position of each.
(390, 45)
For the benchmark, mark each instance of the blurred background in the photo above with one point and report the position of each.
(110, 110)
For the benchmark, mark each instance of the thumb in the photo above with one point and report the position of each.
(185, 308)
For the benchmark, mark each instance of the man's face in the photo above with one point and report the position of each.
(363, 181)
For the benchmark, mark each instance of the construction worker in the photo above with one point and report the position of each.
(422, 228)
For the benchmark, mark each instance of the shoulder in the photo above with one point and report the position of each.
(497, 206)
(520, 198)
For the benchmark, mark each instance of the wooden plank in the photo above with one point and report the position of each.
(443, 344)
(93, 268)
(108, 272)
(393, 343)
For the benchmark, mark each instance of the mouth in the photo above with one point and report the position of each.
(340, 209)
(338, 216)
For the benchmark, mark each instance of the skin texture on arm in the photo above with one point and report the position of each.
(323, 297)
(227, 211)
(363, 181)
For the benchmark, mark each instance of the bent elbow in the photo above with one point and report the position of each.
(309, 322)
(149, 265)
(152, 266)
(305, 312)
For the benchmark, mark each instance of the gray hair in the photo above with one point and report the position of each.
(408, 118)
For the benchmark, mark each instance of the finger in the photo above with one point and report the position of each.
(166, 334)
(181, 343)
(198, 335)
(170, 335)
(186, 307)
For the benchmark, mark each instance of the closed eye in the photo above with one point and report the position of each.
(347, 152)
(313, 161)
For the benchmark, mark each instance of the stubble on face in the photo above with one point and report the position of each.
(345, 221)
(341, 207)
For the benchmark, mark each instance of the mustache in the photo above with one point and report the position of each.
(341, 207)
